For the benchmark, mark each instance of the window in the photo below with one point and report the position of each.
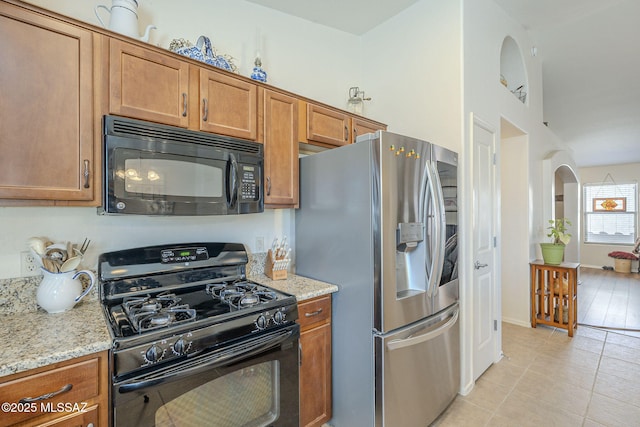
(610, 212)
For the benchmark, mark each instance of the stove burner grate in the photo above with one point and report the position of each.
(241, 294)
(147, 313)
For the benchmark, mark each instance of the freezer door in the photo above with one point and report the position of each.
(418, 371)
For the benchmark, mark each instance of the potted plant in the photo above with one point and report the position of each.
(622, 261)
(553, 253)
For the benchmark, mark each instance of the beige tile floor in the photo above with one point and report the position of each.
(549, 379)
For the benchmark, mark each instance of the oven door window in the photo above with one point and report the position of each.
(246, 397)
(154, 176)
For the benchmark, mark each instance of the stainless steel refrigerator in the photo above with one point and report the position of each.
(379, 219)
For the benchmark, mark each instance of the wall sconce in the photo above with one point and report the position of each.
(356, 100)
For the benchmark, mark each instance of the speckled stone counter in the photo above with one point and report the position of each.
(34, 338)
(302, 287)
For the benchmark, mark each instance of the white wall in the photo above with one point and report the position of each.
(412, 69)
(595, 255)
(485, 27)
(300, 56)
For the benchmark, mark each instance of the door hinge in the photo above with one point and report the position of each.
(495, 325)
(494, 159)
(495, 242)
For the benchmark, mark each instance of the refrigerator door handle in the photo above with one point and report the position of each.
(438, 237)
(413, 340)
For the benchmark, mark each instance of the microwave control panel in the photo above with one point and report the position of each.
(249, 183)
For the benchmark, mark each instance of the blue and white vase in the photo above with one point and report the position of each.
(258, 73)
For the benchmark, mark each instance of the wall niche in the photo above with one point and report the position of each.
(513, 75)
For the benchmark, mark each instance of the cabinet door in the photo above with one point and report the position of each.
(228, 106)
(360, 126)
(315, 368)
(327, 126)
(46, 108)
(315, 376)
(147, 85)
(280, 129)
(89, 417)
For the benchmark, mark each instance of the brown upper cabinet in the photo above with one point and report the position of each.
(46, 108)
(329, 128)
(360, 126)
(228, 105)
(149, 85)
(280, 135)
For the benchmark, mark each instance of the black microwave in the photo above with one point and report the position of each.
(154, 169)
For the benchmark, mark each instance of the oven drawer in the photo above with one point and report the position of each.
(314, 312)
(52, 391)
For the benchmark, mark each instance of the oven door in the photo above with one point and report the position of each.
(253, 382)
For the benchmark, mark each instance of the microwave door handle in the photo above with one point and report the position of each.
(232, 181)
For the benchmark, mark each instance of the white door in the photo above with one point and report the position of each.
(485, 211)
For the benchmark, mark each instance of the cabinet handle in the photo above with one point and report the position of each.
(268, 186)
(85, 174)
(184, 105)
(346, 133)
(47, 395)
(355, 134)
(313, 313)
(205, 113)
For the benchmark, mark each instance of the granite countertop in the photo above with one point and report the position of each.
(302, 288)
(34, 338)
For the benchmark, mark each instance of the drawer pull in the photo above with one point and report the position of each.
(46, 396)
(313, 313)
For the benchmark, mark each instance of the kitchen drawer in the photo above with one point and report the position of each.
(314, 313)
(74, 384)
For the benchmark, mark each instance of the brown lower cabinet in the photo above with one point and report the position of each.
(72, 393)
(315, 367)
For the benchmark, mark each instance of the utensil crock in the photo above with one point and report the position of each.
(59, 292)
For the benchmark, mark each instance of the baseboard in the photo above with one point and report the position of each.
(517, 322)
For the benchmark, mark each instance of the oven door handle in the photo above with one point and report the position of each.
(231, 355)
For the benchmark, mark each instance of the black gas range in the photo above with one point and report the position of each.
(168, 305)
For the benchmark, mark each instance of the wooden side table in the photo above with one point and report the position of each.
(554, 295)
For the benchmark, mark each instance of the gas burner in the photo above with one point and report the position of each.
(164, 317)
(241, 294)
(146, 313)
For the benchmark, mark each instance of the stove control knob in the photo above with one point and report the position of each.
(262, 322)
(278, 317)
(153, 354)
(180, 347)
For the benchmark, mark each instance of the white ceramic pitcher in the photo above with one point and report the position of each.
(59, 292)
(124, 18)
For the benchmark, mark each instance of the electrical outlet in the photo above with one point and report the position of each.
(28, 265)
(259, 244)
